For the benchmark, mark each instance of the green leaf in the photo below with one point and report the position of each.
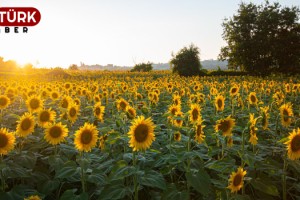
(113, 192)
(70, 194)
(199, 181)
(69, 169)
(172, 193)
(153, 179)
(267, 188)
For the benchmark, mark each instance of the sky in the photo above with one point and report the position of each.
(118, 32)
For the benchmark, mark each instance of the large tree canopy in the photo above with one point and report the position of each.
(262, 38)
(187, 61)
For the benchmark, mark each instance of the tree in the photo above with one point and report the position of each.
(142, 67)
(73, 67)
(187, 61)
(262, 38)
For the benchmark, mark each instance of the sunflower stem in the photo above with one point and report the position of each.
(82, 172)
(277, 122)
(284, 178)
(136, 197)
(1, 176)
(189, 161)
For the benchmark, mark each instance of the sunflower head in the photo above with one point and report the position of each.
(178, 119)
(286, 114)
(4, 101)
(34, 104)
(199, 135)
(45, 117)
(141, 133)
(7, 141)
(99, 111)
(177, 136)
(54, 95)
(130, 112)
(194, 113)
(236, 180)
(25, 125)
(220, 102)
(56, 133)
(86, 137)
(122, 104)
(65, 102)
(225, 125)
(293, 145)
(252, 98)
(73, 112)
(265, 117)
(33, 197)
(234, 90)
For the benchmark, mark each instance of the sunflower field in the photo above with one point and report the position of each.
(120, 135)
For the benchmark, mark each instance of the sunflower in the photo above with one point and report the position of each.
(45, 117)
(220, 102)
(229, 141)
(130, 112)
(286, 112)
(4, 101)
(177, 100)
(33, 197)
(65, 102)
(141, 133)
(86, 137)
(293, 145)
(225, 125)
(7, 141)
(73, 112)
(178, 121)
(236, 181)
(265, 117)
(34, 104)
(122, 104)
(54, 95)
(102, 140)
(234, 90)
(253, 138)
(25, 125)
(252, 98)
(99, 111)
(194, 112)
(199, 136)
(56, 133)
(177, 136)
(173, 109)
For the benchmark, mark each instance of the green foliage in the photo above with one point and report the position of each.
(187, 61)
(9, 65)
(142, 67)
(262, 38)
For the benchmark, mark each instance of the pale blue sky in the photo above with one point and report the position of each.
(119, 32)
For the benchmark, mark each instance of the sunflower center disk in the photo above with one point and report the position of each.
(195, 114)
(285, 115)
(55, 132)
(64, 104)
(199, 130)
(295, 144)
(141, 133)
(86, 137)
(34, 103)
(26, 124)
(3, 140)
(123, 105)
(237, 180)
(220, 103)
(45, 116)
(253, 98)
(3, 101)
(224, 126)
(97, 111)
(72, 112)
